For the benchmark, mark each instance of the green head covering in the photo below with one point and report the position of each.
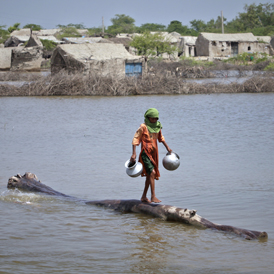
(152, 127)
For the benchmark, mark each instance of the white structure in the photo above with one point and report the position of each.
(99, 58)
(187, 46)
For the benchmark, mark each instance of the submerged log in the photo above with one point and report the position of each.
(30, 182)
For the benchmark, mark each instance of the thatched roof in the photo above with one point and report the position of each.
(125, 41)
(47, 32)
(21, 32)
(84, 40)
(95, 51)
(232, 37)
(50, 38)
(265, 39)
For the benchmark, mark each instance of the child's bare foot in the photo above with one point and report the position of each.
(155, 200)
(145, 200)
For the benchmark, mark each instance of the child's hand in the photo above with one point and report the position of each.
(133, 158)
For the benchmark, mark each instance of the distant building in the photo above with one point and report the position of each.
(228, 45)
(187, 46)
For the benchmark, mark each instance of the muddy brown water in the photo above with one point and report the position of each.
(78, 146)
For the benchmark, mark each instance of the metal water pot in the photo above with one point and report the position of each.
(171, 161)
(133, 170)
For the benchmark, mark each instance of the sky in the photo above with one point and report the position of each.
(49, 13)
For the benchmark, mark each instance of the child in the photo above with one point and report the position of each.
(148, 134)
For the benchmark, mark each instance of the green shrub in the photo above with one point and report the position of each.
(48, 45)
(259, 60)
(68, 32)
(4, 35)
(270, 67)
(14, 27)
(243, 58)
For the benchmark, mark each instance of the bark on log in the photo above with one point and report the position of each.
(29, 182)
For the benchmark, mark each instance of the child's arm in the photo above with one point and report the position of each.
(133, 156)
(135, 142)
(167, 147)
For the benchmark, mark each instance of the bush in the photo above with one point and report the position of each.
(48, 45)
(270, 67)
(262, 59)
(65, 84)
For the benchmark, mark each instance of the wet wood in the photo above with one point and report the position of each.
(30, 182)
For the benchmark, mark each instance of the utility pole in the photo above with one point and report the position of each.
(222, 22)
(103, 27)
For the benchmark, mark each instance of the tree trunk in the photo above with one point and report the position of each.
(29, 182)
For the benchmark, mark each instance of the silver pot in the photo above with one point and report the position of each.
(171, 161)
(133, 170)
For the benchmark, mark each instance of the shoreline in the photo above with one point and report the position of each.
(65, 84)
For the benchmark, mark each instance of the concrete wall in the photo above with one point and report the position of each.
(202, 46)
(26, 59)
(219, 49)
(111, 67)
(5, 58)
(254, 47)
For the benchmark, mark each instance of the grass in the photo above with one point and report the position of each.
(194, 62)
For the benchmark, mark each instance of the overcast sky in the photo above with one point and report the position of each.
(49, 13)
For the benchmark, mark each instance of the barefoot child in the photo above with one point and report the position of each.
(148, 134)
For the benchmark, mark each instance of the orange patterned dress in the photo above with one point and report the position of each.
(149, 145)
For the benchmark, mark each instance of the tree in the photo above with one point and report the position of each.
(264, 31)
(121, 24)
(94, 31)
(4, 34)
(255, 17)
(178, 27)
(198, 25)
(77, 26)
(14, 27)
(33, 27)
(152, 44)
(151, 27)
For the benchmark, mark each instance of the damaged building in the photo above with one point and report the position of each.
(104, 59)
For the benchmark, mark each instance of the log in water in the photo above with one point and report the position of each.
(30, 182)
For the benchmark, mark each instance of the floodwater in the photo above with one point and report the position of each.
(78, 146)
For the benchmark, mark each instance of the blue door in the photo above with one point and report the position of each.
(133, 69)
